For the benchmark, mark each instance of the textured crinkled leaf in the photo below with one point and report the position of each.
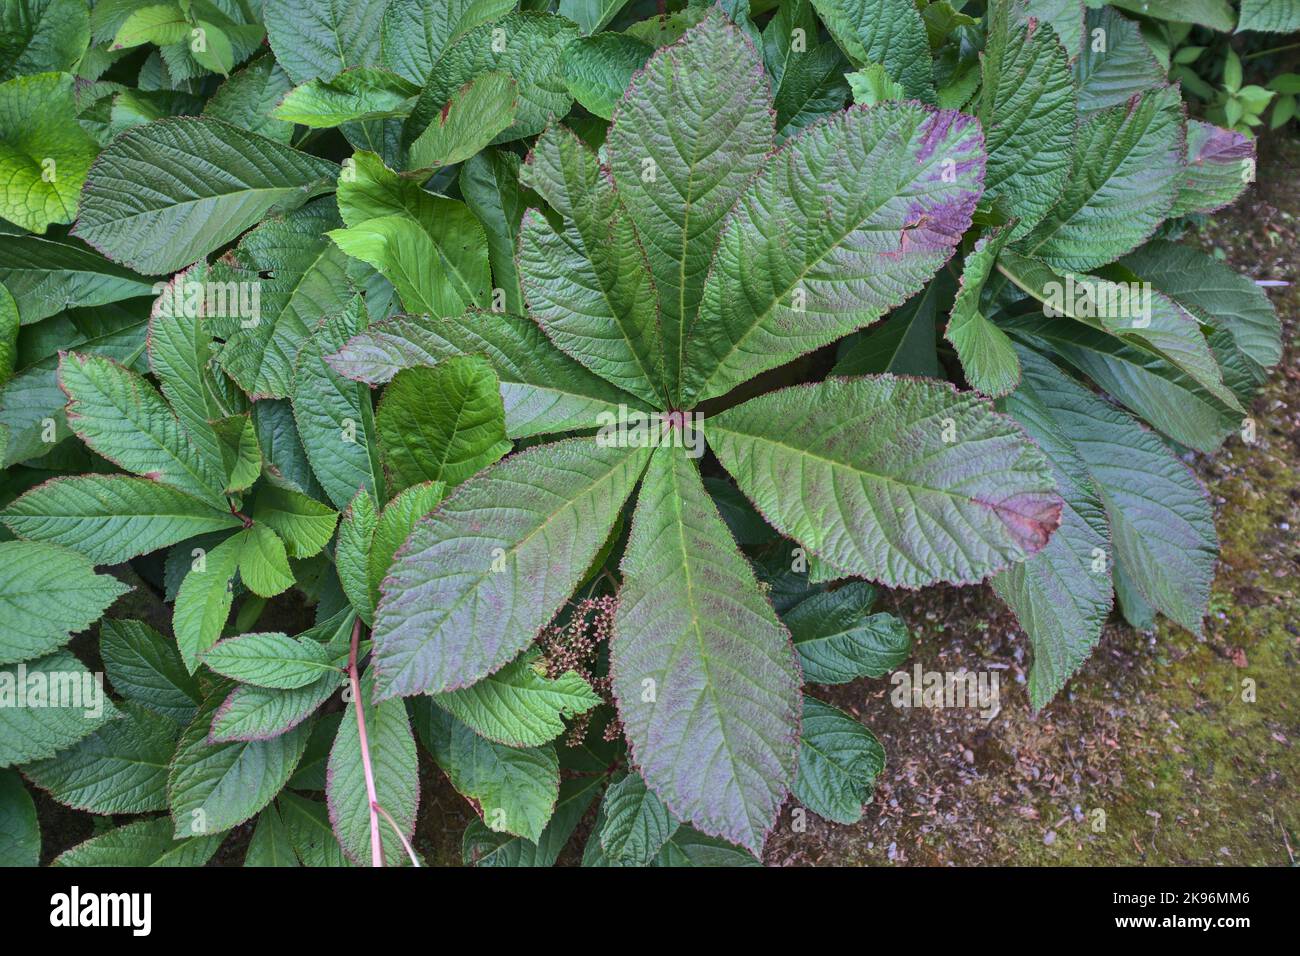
(270, 845)
(891, 33)
(334, 415)
(785, 281)
(146, 667)
(47, 277)
(391, 750)
(120, 768)
(1270, 16)
(520, 706)
(121, 416)
(441, 424)
(74, 707)
(215, 786)
(838, 640)
(260, 713)
(264, 562)
(143, 843)
(284, 460)
(1128, 160)
(300, 276)
(352, 553)
(20, 833)
(1161, 523)
(839, 761)
(322, 38)
(690, 131)
(514, 789)
(484, 847)
(526, 46)
(543, 389)
(394, 527)
(416, 32)
(240, 454)
(361, 93)
(48, 593)
(472, 117)
(41, 35)
(597, 69)
(157, 200)
(204, 599)
(249, 97)
(987, 356)
(304, 523)
(1115, 63)
(689, 847)
(44, 152)
(270, 659)
(807, 82)
(1062, 595)
(716, 736)
(475, 583)
(1220, 165)
(636, 824)
(1028, 111)
(1064, 16)
(899, 503)
(588, 284)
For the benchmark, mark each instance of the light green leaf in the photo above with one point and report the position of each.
(41, 35)
(890, 32)
(49, 705)
(484, 847)
(204, 599)
(394, 527)
(472, 117)
(159, 23)
(416, 32)
(146, 667)
(352, 553)
(987, 356)
(838, 640)
(839, 761)
(270, 659)
(270, 845)
(263, 562)
(48, 593)
(262, 713)
(305, 524)
(597, 69)
(1215, 14)
(361, 93)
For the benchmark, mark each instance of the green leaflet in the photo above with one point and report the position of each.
(1161, 523)
(394, 527)
(1215, 14)
(396, 773)
(895, 506)
(905, 342)
(308, 826)
(636, 824)
(143, 843)
(146, 668)
(472, 117)
(838, 640)
(270, 845)
(520, 706)
(1065, 17)
(120, 768)
(191, 206)
(322, 38)
(891, 33)
(1220, 165)
(677, 188)
(1127, 162)
(1027, 109)
(1115, 62)
(806, 84)
(204, 599)
(71, 706)
(48, 593)
(514, 789)
(441, 424)
(416, 32)
(20, 833)
(249, 97)
(44, 152)
(263, 562)
(489, 183)
(252, 713)
(484, 847)
(305, 524)
(270, 660)
(47, 277)
(839, 761)
(361, 93)
(41, 35)
(525, 46)
(214, 786)
(1062, 595)
(783, 283)
(987, 356)
(597, 69)
(1270, 16)
(240, 454)
(591, 277)
(9, 324)
(543, 389)
(334, 415)
(709, 705)
(591, 15)
(352, 553)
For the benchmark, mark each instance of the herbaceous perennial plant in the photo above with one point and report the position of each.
(564, 613)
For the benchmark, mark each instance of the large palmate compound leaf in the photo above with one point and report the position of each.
(1127, 163)
(846, 221)
(47, 593)
(1062, 595)
(889, 32)
(416, 32)
(704, 674)
(901, 481)
(165, 194)
(72, 706)
(47, 277)
(690, 131)
(589, 285)
(116, 412)
(1027, 108)
(478, 579)
(44, 152)
(321, 38)
(1161, 523)
(544, 390)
